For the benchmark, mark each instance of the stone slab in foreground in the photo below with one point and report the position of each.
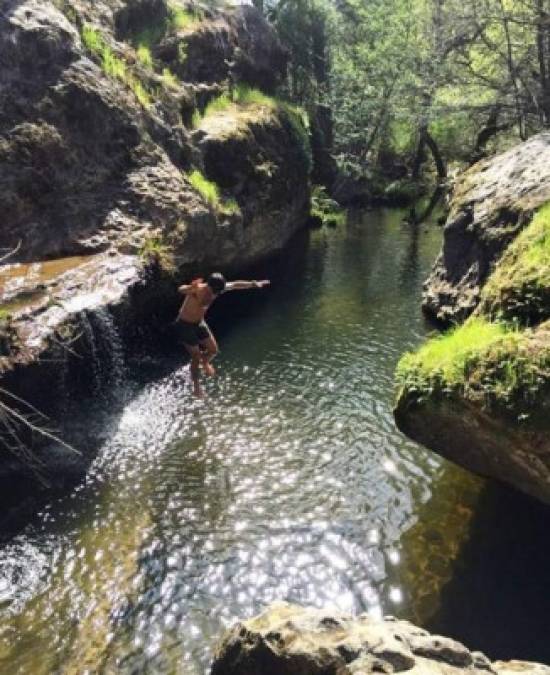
(292, 640)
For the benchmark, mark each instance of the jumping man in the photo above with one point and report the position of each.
(197, 336)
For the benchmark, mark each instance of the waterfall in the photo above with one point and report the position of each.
(106, 352)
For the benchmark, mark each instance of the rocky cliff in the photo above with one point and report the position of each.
(140, 144)
(492, 201)
(291, 640)
(480, 394)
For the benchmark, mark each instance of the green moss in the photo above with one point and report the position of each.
(211, 194)
(519, 288)
(244, 95)
(447, 357)
(206, 188)
(112, 65)
(169, 80)
(144, 56)
(490, 364)
(297, 120)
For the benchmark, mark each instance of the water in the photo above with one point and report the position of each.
(289, 481)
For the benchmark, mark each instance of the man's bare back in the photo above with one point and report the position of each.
(197, 336)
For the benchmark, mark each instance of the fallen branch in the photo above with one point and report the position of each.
(11, 253)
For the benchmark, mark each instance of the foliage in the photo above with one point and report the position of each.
(439, 80)
(156, 250)
(169, 80)
(144, 56)
(181, 19)
(211, 193)
(519, 288)
(325, 208)
(112, 65)
(486, 363)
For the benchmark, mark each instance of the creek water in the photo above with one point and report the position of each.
(288, 481)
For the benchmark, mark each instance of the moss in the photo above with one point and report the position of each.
(144, 56)
(491, 364)
(242, 97)
(210, 192)
(169, 80)
(519, 288)
(297, 120)
(112, 65)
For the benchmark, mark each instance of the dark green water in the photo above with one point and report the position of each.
(290, 481)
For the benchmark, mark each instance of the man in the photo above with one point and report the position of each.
(197, 337)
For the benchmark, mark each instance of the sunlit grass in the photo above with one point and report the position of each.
(206, 188)
(144, 56)
(449, 355)
(169, 80)
(210, 192)
(113, 66)
(241, 97)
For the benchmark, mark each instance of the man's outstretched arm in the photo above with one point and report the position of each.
(245, 285)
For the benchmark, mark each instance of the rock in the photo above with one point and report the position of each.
(481, 397)
(492, 202)
(291, 640)
(235, 45)
(95, 165)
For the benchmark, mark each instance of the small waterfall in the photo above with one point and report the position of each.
(106, 352)
(94, 363)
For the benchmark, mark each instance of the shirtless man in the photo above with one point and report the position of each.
(197, 337)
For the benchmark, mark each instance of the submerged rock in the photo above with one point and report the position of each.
(492, 202)
(292, 640)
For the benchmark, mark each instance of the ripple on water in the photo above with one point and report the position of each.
(289, 481)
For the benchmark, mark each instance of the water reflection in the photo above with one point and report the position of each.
(289, 481)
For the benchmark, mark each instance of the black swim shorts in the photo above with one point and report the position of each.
(193, 333)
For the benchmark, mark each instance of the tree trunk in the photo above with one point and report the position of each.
(438, 159)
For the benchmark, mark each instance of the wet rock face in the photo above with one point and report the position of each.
(291, 640)
(492, 202)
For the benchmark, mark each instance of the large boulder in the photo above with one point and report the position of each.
(292, 640)
(96, 158)
(480, 395)
(492, 202)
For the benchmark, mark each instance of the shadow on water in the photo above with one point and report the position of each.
(289, 481)
(498, 597)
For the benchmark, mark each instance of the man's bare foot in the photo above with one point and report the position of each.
(198, 391)
(208, 368)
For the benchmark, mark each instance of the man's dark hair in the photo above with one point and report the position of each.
(217, 282)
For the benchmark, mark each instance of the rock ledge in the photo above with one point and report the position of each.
(288, 639)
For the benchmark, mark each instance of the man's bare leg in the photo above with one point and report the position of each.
(210, 350)
(195, 354)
